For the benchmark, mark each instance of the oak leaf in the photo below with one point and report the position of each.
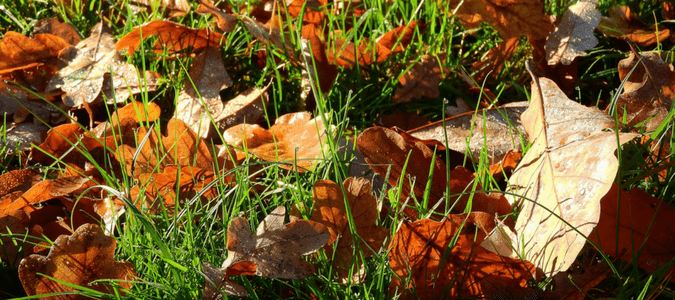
(559, 182)
(422, 80)
(61, 29)
(634, 223)
(295, 138)
(621, 22)
(495, 131)
(199, 100)
(511, 18)
(173, 37)
(422, 253)
(330, 210)
(648, 92)
(574, 34)
(18, 51)
(275, 251)
(79, 259)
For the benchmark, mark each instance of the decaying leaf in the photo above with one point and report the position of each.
(574, 34)
(275, 251)
(420, 254)
(83, 78)
(199, 100)
(644, 228)
(511, 18)
(173, 37)
(422, 80)
(621, 22)
(496, 131)
(492, 62)
(295, 139)
(648, 92)
(561, 179)
(330, 210)
(79, 259)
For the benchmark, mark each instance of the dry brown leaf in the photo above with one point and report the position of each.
(218, 281)
(497, 131)
(648, 92)
(83, 78)
(276, 249)
(226, 22)
(511, 18)
(635, 223)
(330, 210)
(173, 37)
(16, 222)
(247, 107)
(79, 259)
(296, 139)
(574, 34)
(419, 252)
(18, 51)
(172, 8)
(621, 22)
(57, 28)
(14, 99)
(199, 100)
(422, 80)
(561, 179)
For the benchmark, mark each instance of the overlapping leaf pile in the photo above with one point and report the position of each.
(442, 233)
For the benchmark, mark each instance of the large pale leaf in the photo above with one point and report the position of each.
(574, 34)
(562, 177)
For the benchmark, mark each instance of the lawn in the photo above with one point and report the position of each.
(373, 149)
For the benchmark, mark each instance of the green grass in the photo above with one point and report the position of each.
(167, 250)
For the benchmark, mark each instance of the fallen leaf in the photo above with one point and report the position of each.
(511, 18)
(330, 210)
(570, 166)
(575, 285)
(18, 51)
(668, 10)
(493, 61)
(621, 22)
(636, 224)
(172, 8)
(428, 266)
(13, 99)
(495, 131)
(82, 79)
(217, 282)
(226, 22)
(79, 259)
(181, 146)
(422, 80)
(53, 26)
(574, 34)
(17, 223)
(173, 37)
(247, 107)
(648, 92)
(199, 100)
(345, 53)
(295, 139)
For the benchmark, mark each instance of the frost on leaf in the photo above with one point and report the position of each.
(561, 179)
(78, 259)
(274, 251)
(295, 139)
(574, 34)
(330, 210)
(199, 100)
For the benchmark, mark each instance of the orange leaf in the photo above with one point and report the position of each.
(345, 53)
(511, 18)
(422, 80)
(19, 51)
(621, 22)
(173, 37)
(635, 221)
(493, 60)
(420, 252)
(79, 259)
(63, 30)
(329, 210)
(16, 222)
